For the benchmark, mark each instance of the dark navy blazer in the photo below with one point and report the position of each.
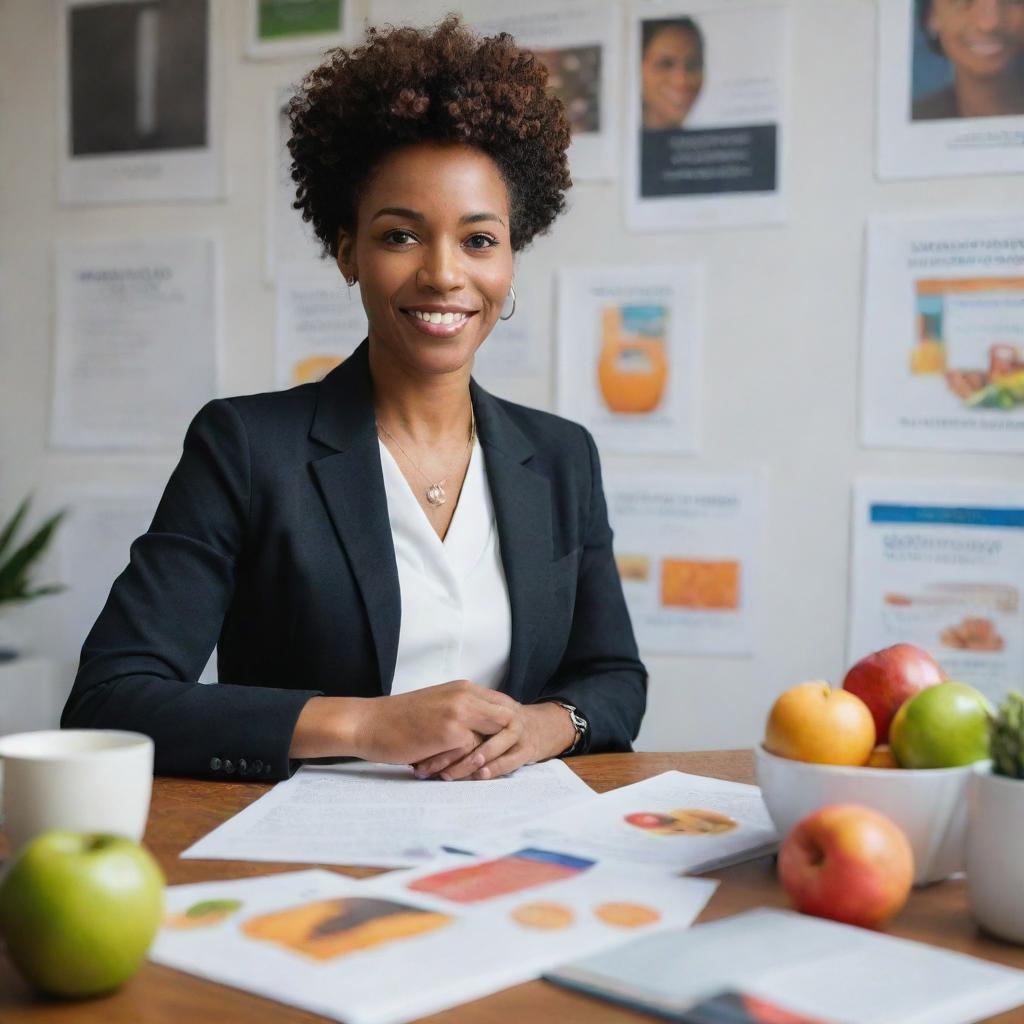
(272, 541)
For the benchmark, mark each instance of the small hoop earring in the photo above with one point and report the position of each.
(512, 293)
(350, 281)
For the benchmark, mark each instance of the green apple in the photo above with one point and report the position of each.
(941, 727)
(79, 911)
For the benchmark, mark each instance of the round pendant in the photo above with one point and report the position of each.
(436, 495)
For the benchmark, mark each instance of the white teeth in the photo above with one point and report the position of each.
(438, 318)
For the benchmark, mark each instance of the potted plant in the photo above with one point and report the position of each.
(17, 561)
(995, 833)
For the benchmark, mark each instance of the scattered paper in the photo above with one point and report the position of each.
(832, 972)
(398, 947)
(673, 822)
(376, 814)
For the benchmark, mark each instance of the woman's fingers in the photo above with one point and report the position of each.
(487, 718)
(485, 753)
(432, 765)
(508, 762)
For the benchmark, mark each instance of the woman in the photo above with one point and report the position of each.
(395, 565)
(984, 42)
(671, 71)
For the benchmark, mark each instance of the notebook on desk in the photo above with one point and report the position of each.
(806, 969)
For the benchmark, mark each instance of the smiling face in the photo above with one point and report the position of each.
(672, 74)
(981, 38)
(432, 254)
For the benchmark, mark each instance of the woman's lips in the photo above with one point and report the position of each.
(439, 330)
(987, 47)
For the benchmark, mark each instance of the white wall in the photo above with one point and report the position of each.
(781, 356)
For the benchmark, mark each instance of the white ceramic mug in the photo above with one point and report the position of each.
(81, 780)
(995, 841)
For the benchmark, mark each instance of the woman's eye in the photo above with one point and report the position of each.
(481, 241)
(399, 237)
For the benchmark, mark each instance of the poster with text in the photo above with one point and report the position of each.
(94, 547)
(320, 321)
(950, 88)
(578, 41)
(136, 102)
(706, 114)
(687, 550)
(943, 335)
(941, 565)
(137, 348)
(629, 341)
(289, 239)
(286, 28)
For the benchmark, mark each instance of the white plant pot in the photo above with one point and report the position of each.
(995, 853)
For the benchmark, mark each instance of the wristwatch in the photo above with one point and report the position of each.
(579, 723)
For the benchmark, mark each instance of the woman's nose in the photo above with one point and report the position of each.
(441, 269)
(988, 14)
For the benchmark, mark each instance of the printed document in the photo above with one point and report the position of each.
(379, 814)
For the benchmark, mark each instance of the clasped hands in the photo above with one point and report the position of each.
(459, 730)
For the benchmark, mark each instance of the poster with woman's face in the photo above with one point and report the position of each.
(577, 41)
(951, 88)
(707, 107)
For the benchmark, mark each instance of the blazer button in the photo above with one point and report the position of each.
(243, 766)
(229, 767)
(215, 764)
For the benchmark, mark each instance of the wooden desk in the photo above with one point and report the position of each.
(183, 810)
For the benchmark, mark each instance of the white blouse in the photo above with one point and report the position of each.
(456, 616)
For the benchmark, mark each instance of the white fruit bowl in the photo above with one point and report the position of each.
(930, 805)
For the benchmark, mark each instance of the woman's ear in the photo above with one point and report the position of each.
(345, 256)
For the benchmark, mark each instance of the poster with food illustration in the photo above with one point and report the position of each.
(576, 40)
(397, 947)
(687, 550)
(629, 342)
(950, 88)
(943, 335)
(320, 321)
(941, 565)
(671, 823)
(706, 104)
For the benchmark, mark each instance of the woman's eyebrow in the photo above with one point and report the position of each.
(404, 211)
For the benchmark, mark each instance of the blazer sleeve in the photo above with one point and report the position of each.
(601, 673)
(141, 661)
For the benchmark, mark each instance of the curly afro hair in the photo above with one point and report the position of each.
(444, 84)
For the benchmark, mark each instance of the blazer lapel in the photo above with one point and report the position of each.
(522, 512)
(352, 485)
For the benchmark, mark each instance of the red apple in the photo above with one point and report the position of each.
(849, 863)
(885, 679)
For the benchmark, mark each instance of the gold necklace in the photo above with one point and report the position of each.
(435, 493)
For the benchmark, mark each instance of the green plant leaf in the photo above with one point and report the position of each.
(14, 571)
(12, 525)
